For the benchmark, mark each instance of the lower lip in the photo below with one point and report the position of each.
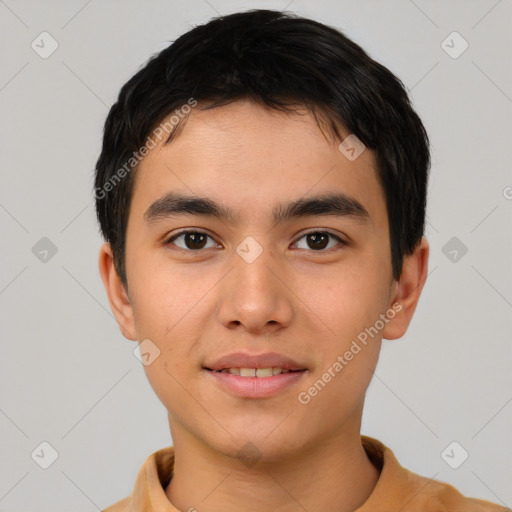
(256, 387)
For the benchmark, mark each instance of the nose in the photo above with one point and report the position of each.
(255, 296)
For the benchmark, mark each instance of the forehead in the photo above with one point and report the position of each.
(246, 156)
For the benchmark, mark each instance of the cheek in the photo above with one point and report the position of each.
(345, 301)
(162, 299)
(170, 310)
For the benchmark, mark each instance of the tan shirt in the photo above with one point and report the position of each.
(397, 489)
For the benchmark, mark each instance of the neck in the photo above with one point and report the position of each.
(334, 474)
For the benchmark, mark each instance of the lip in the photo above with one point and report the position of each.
(265, 360)
(255, 387)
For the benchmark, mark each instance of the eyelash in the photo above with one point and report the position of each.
(314, 231)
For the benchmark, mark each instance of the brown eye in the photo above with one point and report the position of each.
(191, 240)
(319, 240)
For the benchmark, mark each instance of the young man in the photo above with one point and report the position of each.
(262, 191)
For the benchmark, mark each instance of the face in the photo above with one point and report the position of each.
(302, 282)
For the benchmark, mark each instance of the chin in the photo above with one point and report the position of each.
(251, 444)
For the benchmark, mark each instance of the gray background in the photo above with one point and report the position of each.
(69, 378)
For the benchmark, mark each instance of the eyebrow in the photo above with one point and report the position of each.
(339, 204)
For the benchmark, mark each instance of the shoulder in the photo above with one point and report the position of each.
(437, 496)
(411, 492)
(120, 506)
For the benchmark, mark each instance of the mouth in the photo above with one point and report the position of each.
(255, 372)
(246, 375)
(255, 383)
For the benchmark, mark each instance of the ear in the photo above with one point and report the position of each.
(117, 296)
(407, 291)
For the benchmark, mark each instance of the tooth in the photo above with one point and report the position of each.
(254, 372)
(264, 372)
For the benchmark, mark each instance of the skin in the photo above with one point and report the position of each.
(294, 299)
